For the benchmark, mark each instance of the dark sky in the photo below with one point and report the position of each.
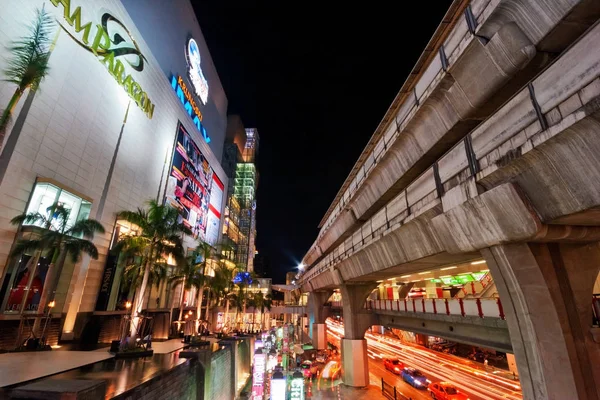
(316, 83)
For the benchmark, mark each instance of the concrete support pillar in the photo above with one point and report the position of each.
(546, 290)
(319, 336)
(431, 290)
(404, 290)
(317, 313)
(355, 363)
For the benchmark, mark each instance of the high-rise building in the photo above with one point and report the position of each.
(235, 142)
(245, 184)
(107, 132)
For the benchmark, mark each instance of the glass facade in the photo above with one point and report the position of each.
(25, 280)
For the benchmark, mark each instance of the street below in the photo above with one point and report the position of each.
(473, 379)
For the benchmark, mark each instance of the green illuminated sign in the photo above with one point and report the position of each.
(108, 48)
(478, 275)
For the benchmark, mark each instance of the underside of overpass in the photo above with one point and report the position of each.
(491, 333)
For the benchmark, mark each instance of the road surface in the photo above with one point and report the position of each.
(477, 382)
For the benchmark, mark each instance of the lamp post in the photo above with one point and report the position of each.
(278, 386)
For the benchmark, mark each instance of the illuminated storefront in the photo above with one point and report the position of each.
(107, 132)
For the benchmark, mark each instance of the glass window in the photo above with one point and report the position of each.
(45, 194)
(25, 279)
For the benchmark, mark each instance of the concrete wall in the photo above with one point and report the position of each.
(181, 382)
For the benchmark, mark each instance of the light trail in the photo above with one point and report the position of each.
(467, 376)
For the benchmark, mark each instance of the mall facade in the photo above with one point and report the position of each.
(132, 110)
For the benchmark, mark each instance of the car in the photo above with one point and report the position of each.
(322, 358)
(331, 370)
(446, 391)
(415, 378)
(309, 369)
(393, 365)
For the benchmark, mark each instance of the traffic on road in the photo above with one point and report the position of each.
(421, 373)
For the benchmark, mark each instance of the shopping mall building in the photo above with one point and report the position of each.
(132, 109)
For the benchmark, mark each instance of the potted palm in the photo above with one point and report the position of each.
(191, 273)
(158, 237)
(58, 238)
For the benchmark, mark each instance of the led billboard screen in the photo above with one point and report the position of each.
(194, 188)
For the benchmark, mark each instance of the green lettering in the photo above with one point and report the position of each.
(137, 92)
(66, 5)
(101, 41)
(128, 85)
(149, 110)
(143, 100)
(118, 71)
(75, 18)
(109, 60)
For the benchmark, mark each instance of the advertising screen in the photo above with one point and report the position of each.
(194, 189)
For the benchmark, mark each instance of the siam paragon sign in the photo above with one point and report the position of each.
(110, 41)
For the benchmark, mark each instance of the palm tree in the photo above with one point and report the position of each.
(159, 236)
(242, 280)
(60, 239)
(262, 302)
(28, 63)
(191, 273)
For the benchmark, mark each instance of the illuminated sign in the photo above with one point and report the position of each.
(258, 376)
(191, 186)
(195, 71)
(186, 98)
(278, 389)
(457, 280)
(111, 43)
(297, 389)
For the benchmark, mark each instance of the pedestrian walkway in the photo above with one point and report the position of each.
(26, 366)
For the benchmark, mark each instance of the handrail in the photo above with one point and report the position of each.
(482, 308)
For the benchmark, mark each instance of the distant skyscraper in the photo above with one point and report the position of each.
(244, 190)
(239, 163)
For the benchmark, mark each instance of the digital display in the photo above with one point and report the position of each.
(194, 189)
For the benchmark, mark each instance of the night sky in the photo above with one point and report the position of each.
(316, 83)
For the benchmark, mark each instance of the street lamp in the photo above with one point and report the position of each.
(300, 266)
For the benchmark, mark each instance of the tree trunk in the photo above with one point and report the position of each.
(226, 314)
(7, 113)
(50, 287)
(32, 266)
(207, 314)
(181, 302)
(139, 302)
(199, 306)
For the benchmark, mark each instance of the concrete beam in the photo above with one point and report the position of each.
(491, 333)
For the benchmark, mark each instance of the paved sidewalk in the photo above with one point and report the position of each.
(25, 366)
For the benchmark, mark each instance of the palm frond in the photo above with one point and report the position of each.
(75, 247)
(138, 217)
(85, 227)
(25, 246)
(29, 218)
(29, 62)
